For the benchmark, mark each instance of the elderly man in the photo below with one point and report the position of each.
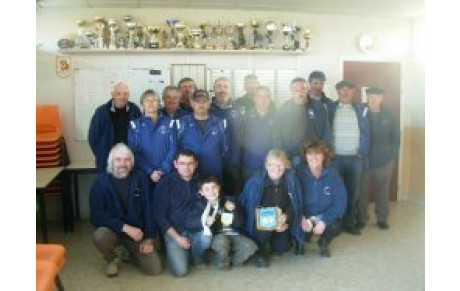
(187, 87)
(120, 209)
(109, 124)
(171, 103)
(251, 83)
(231, 114)
(350, 131)
(301, 120)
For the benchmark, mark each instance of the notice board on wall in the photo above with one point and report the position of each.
(93, 88)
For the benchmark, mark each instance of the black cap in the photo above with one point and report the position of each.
(344, 83)
(200, 93)
(374, 90)
(317, 75)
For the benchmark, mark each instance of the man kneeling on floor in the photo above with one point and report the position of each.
(120, 209)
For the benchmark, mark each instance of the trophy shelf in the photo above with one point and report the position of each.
(176, 51)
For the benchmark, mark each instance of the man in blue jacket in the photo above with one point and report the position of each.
(171, 102)
(205, 135)
(316, 81)
(175, 195)
(383, 153)
(109, 124)
(120, 210)
(350, 132)
(300, 120)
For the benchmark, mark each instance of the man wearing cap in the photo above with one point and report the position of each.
(205, 135)
(231, 114)
(316, 81)
(187, 87)
(350, 141)
(301, 120)
(383, 152)
(109, 124)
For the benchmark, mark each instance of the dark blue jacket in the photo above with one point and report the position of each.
(325, 197)
(177, 115)
(385, 137)
(174, 198)
(105, 208)
(232, 117)
(212, 147)
(363, 123)
(101, 132)
(314, 117)
(153, 145)
(252, 195)
(259, 135)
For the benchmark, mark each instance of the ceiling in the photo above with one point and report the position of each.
(382, 8)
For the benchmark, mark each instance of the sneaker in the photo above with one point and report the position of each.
(260, 261)
(352, 230)
(383, 225)
(122, 253)
(112, 268)
(323, 249)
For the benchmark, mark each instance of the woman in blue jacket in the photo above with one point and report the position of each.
(324, 195)
(152, 139)
(274, 186)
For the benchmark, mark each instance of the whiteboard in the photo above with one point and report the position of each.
(93, 88)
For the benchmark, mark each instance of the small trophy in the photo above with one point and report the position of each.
(287, 32)
(154, 37)
(296, 37)
(219, 31)
(140, 37)
(100, 25)
(113, 28)
(208, 31)
(306, 37)
(241, 41)
(173, 35)
(271, 27)
(92, 39)
(81, 40)
(182, 31)
(197, 34)
(131, 30)
(258, 39)
(229, 31)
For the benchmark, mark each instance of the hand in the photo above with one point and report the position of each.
(133, 232)
(307, 226)
(146, 247)
(282, 227)
(156, 175)
(210, 220)
(230, 206)
(319, 228)
(182, 241)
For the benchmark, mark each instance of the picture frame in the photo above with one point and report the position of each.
(63, 66)
(267, 218)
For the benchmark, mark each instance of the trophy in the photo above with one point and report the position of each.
(287, 32)
(257, 36)
(100, 25)
(219, 31)
(296, 38)
(81, 40)
(131, 30)
(306, 37)
(113, 28)
(154, 40)
(271, 27)
(229, 31)
(208, 31)
(240, 36)
(196, 34)
(92, 39)
(172, 24)
(163, 39)
(140, 37)
(182, 31)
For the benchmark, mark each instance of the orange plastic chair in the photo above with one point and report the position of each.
(55, 254)
(45, 276)
(48, 123)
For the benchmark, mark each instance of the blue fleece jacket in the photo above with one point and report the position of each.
(211, 147)
(101, 132)
(106, 210)
(174, 198)
(252, 195)
(153, 144)
(325, 197)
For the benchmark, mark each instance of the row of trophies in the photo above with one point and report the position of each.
(109, 34)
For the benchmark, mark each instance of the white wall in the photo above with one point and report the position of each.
(334, 39)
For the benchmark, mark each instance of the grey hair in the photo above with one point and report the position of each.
(146, 93)
(118, 84)
(221, 78)
(118, 147)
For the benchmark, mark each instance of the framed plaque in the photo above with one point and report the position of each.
(267, 218)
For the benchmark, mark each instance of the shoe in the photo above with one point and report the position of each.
(352, 230)
(299, 249)
(360, 225)
(260, 261)
(383, 225)
(323, 249)
(112, 268)
(122, 253)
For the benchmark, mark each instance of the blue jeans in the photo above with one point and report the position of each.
(350, 168)
(178, 258)
(200, 243)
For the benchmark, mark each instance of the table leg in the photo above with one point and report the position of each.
(41, 201)
(67, 202)
(76, 193)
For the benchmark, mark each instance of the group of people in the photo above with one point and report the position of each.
(196, 173)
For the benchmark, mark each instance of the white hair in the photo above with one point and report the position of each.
(116, 148)
(118, 84)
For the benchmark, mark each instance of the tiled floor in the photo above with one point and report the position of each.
(377, 260)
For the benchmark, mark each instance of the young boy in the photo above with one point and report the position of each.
(216, 217)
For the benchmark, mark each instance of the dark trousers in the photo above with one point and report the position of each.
(350, 169)
(279, 242)
(231, 181)
(332, 230)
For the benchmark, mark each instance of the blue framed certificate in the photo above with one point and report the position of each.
(267, 218)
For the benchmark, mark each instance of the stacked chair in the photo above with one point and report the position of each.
(50, 260)
(49, 136)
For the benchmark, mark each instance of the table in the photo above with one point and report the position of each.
(44, 176)
(73, 170)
